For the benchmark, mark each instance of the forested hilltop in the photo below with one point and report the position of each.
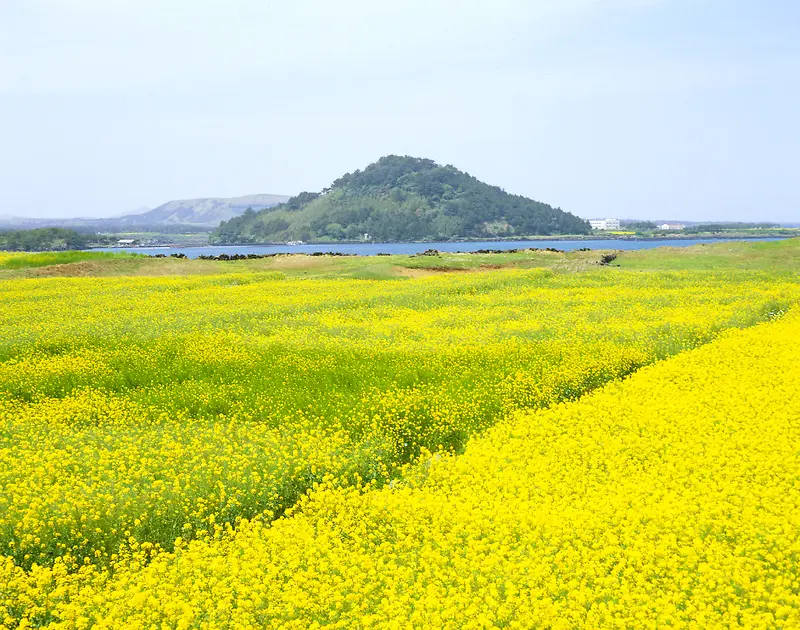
(400, 199)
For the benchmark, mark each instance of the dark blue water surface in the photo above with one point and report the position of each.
(371, 249)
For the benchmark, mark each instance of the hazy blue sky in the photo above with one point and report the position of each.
(633, 108)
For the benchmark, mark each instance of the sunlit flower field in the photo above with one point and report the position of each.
(250, 450)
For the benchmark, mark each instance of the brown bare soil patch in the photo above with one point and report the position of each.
(76, 269)
(423, 272)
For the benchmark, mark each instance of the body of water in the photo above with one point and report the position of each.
(371, 249)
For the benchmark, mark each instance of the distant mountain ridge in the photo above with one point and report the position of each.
(203, 213)
(400, 198)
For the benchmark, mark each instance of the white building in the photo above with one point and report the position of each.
(671, 226)
(125, 241)
(604, 224)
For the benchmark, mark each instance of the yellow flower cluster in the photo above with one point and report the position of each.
(83, 474)
(141, 416)
(667, 500)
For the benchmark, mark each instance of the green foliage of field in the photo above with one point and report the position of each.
(294, 265)
(776, 256)
(18, 261)
(781, 257)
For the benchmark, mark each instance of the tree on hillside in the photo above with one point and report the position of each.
(42, 239)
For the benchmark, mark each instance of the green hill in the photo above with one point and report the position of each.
(400, 199)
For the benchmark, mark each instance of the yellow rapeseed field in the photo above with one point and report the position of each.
(668, 500)
(154, 428)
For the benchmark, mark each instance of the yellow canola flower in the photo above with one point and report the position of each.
(667, 500)
(141, 417)
(142, 409)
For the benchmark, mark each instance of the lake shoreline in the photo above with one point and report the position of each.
(529, 239)
(408, 248)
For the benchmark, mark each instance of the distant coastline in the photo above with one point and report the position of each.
(524, 239)
(416, 248)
